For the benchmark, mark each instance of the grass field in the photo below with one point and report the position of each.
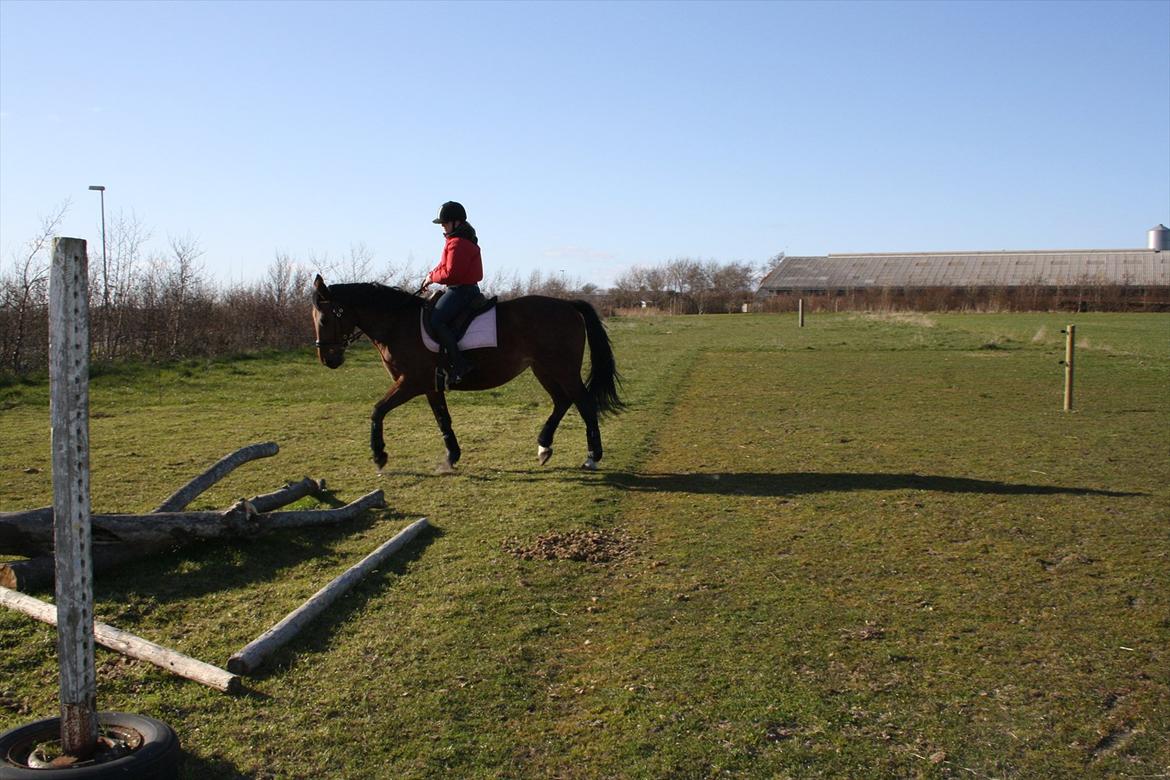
(871, 547)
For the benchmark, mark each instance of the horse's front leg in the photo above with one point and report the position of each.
(395, 397)
(438, 403)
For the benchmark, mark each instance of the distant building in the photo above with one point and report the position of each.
(1064, 276)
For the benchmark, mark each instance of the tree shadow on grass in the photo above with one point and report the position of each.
(801, 483)
(203, 568)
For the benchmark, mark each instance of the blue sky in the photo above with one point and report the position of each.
(588, 137)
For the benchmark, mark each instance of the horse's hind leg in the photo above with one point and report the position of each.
(561, 404)
(587, 408)
(438, 403)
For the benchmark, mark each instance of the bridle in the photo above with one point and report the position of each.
(345, 341)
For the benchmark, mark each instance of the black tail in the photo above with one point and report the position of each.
(604, 378)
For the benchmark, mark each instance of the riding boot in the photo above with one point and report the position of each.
(459, 364)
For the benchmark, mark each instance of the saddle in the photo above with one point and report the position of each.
(462, 321)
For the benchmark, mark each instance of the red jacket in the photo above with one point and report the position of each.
(461, 263)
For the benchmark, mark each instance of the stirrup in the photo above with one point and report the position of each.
(446, 378)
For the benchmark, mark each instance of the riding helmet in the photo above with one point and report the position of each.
(451, 212)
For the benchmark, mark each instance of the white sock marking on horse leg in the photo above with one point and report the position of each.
(543, 454)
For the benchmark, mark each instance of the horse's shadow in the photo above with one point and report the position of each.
(787, 485)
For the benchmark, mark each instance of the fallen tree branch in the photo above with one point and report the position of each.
(287, 495)
(254, 654)
(118, 538)
(18, 529)
(163, 530)
(130, 645)
(307, 517)
(39, 572)
(186, 494)
(121, 538)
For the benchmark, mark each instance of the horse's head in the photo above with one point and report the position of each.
(334, 324)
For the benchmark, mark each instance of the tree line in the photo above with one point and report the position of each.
(155, 301)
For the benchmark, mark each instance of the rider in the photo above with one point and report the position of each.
(460, 268)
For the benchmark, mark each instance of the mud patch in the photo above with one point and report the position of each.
(587, 546)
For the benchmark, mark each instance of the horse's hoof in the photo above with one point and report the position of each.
(543, 454)
(445, 466)
(589, 465)
(381, 460)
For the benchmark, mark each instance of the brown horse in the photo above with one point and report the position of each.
(545, 334)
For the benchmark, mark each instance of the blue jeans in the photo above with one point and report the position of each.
(453, 301)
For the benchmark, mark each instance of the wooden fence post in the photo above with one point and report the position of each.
(69, 408)
(800, 310)
(1069, 358)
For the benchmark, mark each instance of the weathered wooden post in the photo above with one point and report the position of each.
(800, 311)
(69, 402)
(1069, 358)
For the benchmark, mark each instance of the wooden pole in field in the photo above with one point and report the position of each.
(800, 310)
(69, 411)
(254, 654)
(1069, 359)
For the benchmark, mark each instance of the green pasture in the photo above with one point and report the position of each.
(871, 547)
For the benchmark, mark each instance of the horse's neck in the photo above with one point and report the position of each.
(381, 326)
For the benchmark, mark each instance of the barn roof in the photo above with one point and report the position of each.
(1049, 268)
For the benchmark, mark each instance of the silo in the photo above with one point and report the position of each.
(1159, 238)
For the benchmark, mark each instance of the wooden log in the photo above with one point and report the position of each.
(164, 530)
(308, 517)
(254, 654)
(152, 532)
(38, 572)
(69, 415)
(130, 645)
(287, 495)
(121, 538)
(19, 531)
(186, 494)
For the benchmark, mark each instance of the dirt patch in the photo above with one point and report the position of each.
(582, 545)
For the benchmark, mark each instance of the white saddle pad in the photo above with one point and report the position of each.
(482, 332)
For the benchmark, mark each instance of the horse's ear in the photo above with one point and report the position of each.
(322, 292)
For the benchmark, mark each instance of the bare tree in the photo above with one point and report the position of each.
(183, 285)
(25, 292)
(126, 238)
(282, 280)
(357, 266)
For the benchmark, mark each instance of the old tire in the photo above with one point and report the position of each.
(157, 756)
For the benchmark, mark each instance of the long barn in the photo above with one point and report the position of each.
(1065, 276)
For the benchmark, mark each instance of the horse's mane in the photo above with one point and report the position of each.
(374, 295)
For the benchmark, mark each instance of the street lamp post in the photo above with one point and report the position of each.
(105, 265)
(101, 189)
